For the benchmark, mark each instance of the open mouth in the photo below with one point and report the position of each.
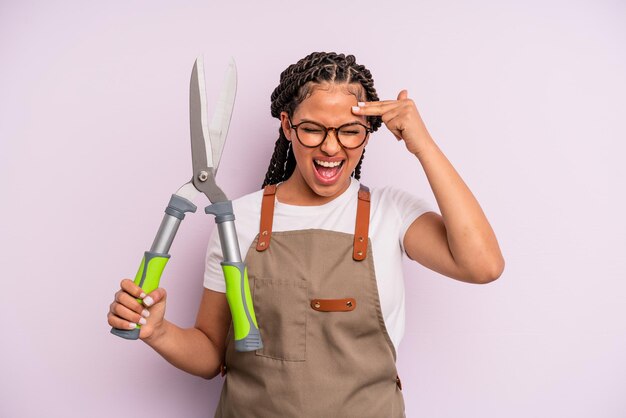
(328, 171)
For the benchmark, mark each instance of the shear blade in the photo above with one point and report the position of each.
(207, 141)
(197, 118)
(223, 113)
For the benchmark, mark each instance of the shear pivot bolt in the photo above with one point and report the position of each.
(203, 176)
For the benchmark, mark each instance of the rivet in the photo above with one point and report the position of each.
(264, 233)
(203, 176)
(349, 304)
(262, 244)
(360, 239)
(360, 253)
(317, 305)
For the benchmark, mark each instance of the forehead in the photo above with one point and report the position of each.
(331, 103)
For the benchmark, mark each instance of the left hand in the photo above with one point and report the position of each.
(401, 118)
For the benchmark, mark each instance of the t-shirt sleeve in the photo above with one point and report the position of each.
(213, 276)
(409, 208)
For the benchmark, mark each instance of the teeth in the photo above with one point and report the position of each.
(328, 163)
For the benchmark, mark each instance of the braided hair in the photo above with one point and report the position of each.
(296, 83)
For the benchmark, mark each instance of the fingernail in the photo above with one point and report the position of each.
(355, 108)
(143, 321)
(145, 313)
(143, 295)
(132, 325)
(148, 301)
(361, 103)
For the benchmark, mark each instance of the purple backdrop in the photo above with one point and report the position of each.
(526, 99)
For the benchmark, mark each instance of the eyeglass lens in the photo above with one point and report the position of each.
(350, 136)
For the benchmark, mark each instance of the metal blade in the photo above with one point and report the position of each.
(223, 113)
(200, 153)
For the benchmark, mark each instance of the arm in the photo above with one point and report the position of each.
(459, 243)
(198, 350)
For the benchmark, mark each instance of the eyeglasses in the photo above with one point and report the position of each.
(350, 135)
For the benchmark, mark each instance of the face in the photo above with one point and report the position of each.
(322, 173)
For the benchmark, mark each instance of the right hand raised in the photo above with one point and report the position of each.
(125, 312)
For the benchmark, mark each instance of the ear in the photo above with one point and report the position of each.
(285, 125)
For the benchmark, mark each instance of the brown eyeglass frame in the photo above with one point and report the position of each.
(326, 130)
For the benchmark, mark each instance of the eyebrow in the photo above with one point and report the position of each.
(320, 123)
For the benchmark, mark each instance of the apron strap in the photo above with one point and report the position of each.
(361, 228)
(267, 217)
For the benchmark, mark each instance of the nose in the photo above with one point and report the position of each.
(331, 145)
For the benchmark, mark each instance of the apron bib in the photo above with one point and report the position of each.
(326, 349)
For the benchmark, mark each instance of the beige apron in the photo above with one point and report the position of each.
(326, 349)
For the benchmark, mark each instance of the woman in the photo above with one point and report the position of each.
(324, 257)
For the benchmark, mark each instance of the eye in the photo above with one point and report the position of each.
(311, 128)
(352, 130)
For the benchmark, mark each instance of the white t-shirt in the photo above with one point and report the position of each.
(392, 211)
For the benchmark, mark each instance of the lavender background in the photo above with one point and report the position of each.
(527, 99)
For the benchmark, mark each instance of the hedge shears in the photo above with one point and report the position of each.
(207, 143)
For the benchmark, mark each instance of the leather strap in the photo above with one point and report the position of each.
(333, 305)
(267, 217)
(361, 228)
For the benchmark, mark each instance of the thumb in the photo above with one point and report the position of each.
(403, 95)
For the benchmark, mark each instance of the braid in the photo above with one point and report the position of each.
(357, 169)
(277, 170)
(295, 86)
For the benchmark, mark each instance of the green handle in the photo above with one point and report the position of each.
(247, 336)
(147, 277)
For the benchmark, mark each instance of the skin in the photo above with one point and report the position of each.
(329, 105)
(459, 243)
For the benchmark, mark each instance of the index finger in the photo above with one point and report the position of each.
(130, 287)
(377, 102)
(374, 108)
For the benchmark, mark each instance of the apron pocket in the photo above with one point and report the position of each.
(281, 307)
